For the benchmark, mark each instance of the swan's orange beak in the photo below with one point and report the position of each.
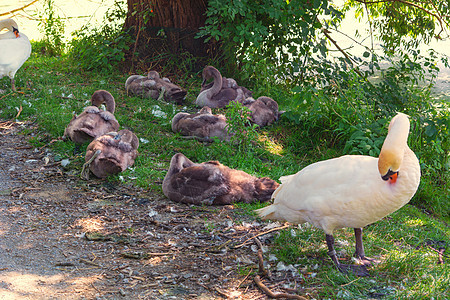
(391, 176)
(16, 32)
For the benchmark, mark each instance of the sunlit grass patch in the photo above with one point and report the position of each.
(271, 145)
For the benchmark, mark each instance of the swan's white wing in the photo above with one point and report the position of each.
(14, 52)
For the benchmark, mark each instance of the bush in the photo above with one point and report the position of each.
(102, 48)
(52, 26)
(275, 37)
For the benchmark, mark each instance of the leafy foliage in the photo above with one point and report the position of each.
(105, 47)
(243, 133)
(52, 26)
(273, 34)
(405, 23)
(320, 120)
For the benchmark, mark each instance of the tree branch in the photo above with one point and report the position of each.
(17, 9)
(439, 18)
(326, 33)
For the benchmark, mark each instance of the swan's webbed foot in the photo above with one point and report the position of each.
(359, 250)
(358, 270)
(87, 165)
(367, 261)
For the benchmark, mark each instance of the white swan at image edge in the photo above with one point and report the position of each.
(15, 49)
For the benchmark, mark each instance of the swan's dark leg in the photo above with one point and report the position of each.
(358, 270)
(331, 252)
(13, 85)
(359, 252)
(77, 149)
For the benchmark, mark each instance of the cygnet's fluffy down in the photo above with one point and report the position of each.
(155, 87)
(213, 183)
(112, 153)
(264, 110)
(227, 83)
(93, 122)
(203, 124)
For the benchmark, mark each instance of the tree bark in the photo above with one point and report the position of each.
(163, 27)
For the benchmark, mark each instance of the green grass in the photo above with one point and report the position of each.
(408, 269)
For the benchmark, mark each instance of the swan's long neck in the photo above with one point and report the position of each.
(410, 168)
(110, 104)
(10, 25)
(178, 163)
(406, 185)
(217, 85)
(102, 96)
(394, 146)
(153, 75)
(397, 157)
(7, 24)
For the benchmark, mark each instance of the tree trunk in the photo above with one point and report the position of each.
(163, 27)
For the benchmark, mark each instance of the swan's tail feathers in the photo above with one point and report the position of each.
(268, 212)
(284, 180)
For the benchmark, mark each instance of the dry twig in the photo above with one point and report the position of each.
(4, 96)
(262, 270)
(19, 111)
(222, 293)
(245, 278)
(262, 233)
(89, 262)
(271, 294)
(441, 254)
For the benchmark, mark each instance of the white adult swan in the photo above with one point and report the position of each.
(15, 48)
(350, 191)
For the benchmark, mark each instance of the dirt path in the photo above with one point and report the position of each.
(64, 238)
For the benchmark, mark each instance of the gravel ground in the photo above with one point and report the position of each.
(65, 238)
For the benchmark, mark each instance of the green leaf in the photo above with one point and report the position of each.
(317, 3)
